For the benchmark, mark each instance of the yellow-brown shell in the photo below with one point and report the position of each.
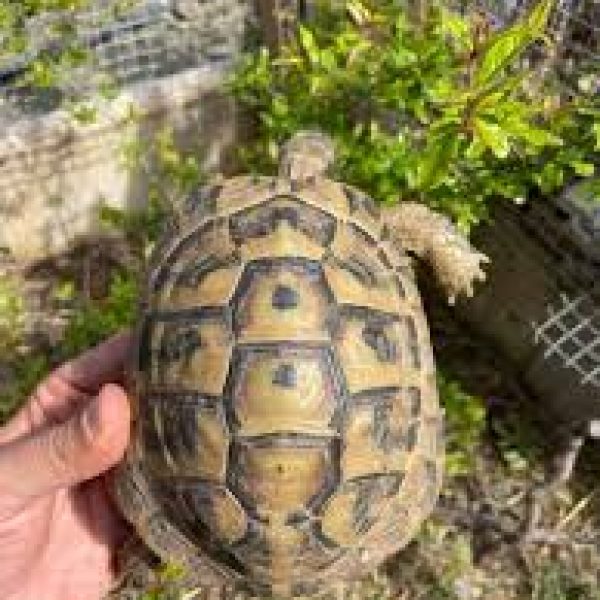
(288, 413)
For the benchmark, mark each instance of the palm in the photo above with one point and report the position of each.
(60, 545)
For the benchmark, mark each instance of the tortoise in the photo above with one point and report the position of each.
(287, 432)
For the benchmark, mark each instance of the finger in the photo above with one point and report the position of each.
(59, 394)
(85, 446)
(103, 364)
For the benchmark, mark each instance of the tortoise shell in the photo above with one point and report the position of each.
(287, 420)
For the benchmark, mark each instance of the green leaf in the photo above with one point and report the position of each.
(537, 21)
(327, 60)
(433, 166)
(532, 135)
(457, 26)
(309, 44)
(493, 137)
(551, 178)
(502, 51)
(507, 45)
(583, 169)
(596, 130)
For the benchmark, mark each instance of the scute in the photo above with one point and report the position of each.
(356, 507)
(377, 435)
(278, 479)
(288, 418)
(187, 437)
(374, 353)
(284, 390)
(190, 352)
(263, 315)
(220, 511)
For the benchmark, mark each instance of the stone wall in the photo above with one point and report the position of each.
(56, 171)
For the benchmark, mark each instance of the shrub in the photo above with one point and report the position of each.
(436, 107)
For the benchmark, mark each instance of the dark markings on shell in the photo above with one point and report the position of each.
(267, 450)
(203, 202)
(413, 342)
(192, 242)
(285, 375)
(258, 221)
(359, 200)
(195, 272)
(284, 297)
(180, 344)
(375, 336)
(365, 313)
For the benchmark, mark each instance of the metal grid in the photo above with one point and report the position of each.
(572, 332)
(569, 229)
(150, 39)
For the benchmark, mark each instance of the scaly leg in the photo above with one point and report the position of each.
(433, 237)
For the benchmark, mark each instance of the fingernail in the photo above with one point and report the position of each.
(91, 416)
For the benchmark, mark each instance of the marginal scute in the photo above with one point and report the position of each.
(355, 508)
(218, 509)
(227, 517)
(363, 211)
(357, 276)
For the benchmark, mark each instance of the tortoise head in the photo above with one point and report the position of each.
(305, 156)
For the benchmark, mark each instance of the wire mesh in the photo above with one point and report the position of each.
(124, 44)
(572, 333)
(568, 228)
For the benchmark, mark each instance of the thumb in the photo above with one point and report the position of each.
(89, 444)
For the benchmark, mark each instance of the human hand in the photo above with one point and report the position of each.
(58, 529)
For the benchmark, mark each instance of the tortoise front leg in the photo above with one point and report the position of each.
(433, 237)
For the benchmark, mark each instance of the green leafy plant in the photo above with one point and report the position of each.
(465, 423)
(95, 321)
(15, 38)
(18, 374)
(553, 581)
(11, 315)
(25, 372)
(440, 108)
(171, 174)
